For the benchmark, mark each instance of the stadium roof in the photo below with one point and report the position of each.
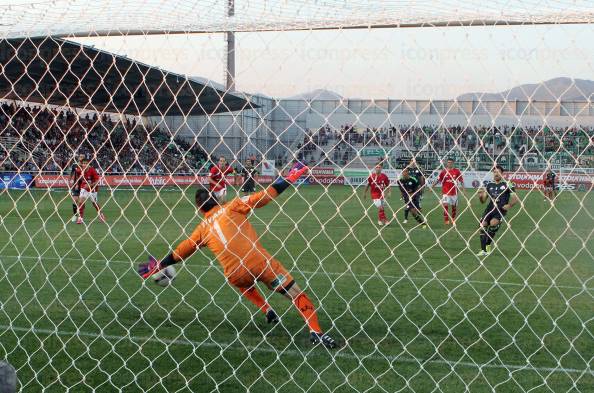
(67, 18)
(58, 72)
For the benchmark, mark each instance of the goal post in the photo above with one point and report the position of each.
(428, 279)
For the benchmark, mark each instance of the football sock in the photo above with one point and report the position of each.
(308, 312)
(446, 215)
(491, 231)
(381, 214)
(81, 211)
(406, 210)
(419, 218)
(74, 209)
(453, 211)
(254, 296)
(484, 238)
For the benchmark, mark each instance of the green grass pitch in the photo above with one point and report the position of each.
(416, 309)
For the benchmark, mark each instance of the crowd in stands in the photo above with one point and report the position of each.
(542, 140)
(34, 139)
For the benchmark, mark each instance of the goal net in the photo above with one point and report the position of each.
(466, 266)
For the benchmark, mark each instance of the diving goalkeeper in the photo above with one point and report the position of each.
(227, 232)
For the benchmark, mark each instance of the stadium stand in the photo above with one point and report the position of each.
(35, 139)
(345, 145)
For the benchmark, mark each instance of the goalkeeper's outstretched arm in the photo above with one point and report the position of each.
(262, 198)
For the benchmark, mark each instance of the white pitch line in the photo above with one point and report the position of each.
(347, 273)
(339, 354)
(322, 227)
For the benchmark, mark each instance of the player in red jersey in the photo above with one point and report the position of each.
(74, 183)
(89, 186)
(379, 184)
(217, 179)
(549, 180)
(451, 179)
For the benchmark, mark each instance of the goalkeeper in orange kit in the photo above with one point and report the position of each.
(227, 232)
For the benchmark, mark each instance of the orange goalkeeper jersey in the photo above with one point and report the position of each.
(227, 232)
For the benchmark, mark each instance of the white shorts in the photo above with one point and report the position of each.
(451, 200)
(221, 194)
(378, 203)
(84, 195)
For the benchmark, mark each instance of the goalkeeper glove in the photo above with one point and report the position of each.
(296, 172)
(148, 269)
(145, 270)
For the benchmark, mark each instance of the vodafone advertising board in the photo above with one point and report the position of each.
(325, 176)
(565, 181)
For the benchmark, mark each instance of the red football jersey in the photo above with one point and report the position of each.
(89, 177)
(377, 184)
(218, 176)
(449, 178)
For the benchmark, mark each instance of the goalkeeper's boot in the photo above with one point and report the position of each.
(271, 317)
(482, 253)
(145, 270)
(326, 340)
(489, 249)
(74, 218)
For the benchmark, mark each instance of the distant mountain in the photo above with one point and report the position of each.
(318, 94)
(566, 89)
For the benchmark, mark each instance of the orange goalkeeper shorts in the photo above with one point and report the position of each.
(270, 272)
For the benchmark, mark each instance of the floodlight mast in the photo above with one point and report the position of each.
(230, 63)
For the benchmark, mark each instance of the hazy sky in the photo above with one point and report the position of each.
(415, 63)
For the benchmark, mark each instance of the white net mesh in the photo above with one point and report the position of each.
(116, 17)
(412, 308)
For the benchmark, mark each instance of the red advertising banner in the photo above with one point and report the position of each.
(566, 181)
(61, 181)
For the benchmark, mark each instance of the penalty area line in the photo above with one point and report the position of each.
(292, 352)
